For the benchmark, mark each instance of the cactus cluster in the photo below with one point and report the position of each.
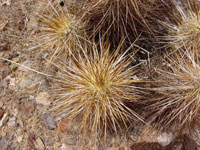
(96, 46)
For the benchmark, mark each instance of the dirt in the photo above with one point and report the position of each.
(22, 126)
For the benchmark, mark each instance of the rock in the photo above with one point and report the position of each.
(49, 122)
(19, 135)
(1, 113)
(43, 98)
(63, 147)
(12, 122)
(7, 2)
(4, 119)
(63, 125)
(70, 141)
(26, 80)
(27, 108)
(39, 106)
(165, 138)
(13, 83)
(19, 139)
(39, 144)
(15, 112)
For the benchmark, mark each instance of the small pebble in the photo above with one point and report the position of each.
(12, 122)
(43, 98)
(66, 147)
(15, 112)
(27, 108)
(63, 125)
(8, 2)
(49, 122)
(70, 141)
(19, 135)
(19, 139)
(32, 33)
(165, 139)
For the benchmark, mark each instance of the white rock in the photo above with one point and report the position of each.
(165, 138)
(19, 139)
(64, 147)
(28, 80)
(43, 98)
(19, 135)
(8, 2)
(31, 97)
(12, 82)
(12, 122)
(15, 112)
(70, 141)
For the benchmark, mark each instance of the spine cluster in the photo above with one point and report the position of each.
(104, 84)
